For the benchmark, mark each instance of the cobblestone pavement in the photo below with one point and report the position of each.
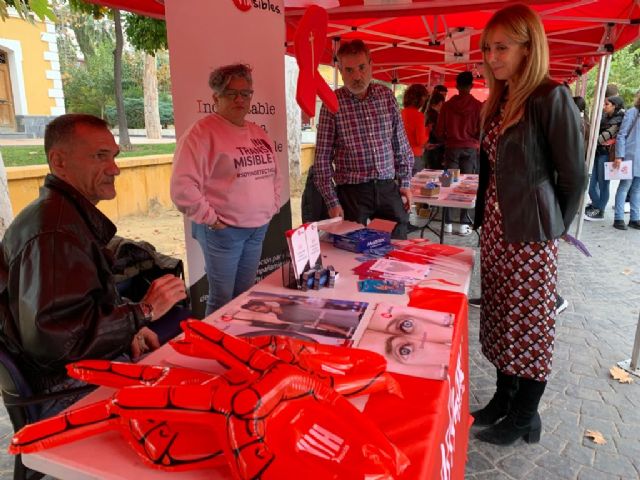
(595, 332)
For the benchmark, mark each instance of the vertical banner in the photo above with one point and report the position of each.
(203, 35)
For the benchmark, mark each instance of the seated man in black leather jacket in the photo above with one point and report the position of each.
(58, 297)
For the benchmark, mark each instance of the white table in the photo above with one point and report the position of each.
(441, 199)
(108, 456)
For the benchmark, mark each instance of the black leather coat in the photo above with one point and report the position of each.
(540, 168)
(56, 277)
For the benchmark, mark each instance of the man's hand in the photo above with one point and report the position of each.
(617, 162)
(405, 194)
(336, 212)
(144, 341)
(164, 293)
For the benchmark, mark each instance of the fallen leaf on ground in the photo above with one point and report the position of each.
(627, 271)
(621, 375)
(596, 436)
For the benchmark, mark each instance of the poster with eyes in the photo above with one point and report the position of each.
(414, 341)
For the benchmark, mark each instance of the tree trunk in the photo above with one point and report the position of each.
(151, 105)
(85, 43)
(123, 129)
(6, 214)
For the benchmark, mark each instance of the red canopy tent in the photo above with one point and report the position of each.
(412, 41)
(416, 40)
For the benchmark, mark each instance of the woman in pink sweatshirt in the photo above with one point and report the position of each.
(226, 181)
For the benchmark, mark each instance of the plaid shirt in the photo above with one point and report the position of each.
(365, 140)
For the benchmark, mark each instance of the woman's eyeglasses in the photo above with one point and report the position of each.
(233, 94)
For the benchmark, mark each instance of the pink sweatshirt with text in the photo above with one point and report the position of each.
(223, 171)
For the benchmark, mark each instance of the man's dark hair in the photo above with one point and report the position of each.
(464, 80)
(61, 129)
(611, 91)
(353, 47)
(436, 98)
(440, 89)
(580, 103)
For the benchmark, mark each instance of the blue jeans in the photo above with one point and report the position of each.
(621, 195)
(598, 186)
(231, 258)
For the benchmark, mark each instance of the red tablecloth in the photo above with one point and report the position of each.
(431, 423)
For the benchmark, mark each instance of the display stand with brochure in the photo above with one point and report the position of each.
(305, 270)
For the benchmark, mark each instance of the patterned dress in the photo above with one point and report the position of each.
(517, 320)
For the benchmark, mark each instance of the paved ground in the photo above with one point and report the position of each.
(595, 332)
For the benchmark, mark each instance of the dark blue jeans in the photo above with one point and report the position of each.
(598, 186)
(231, 258)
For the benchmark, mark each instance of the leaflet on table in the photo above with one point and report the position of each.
(414, 341)
(364, 271)
(448, 265)
(460, 197)
(338, 226)
(425, 175)
(467, 189)
(372, 285)
(319, 320)
(436, 253)
(400, 270)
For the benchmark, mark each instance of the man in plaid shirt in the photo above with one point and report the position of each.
(363, 159)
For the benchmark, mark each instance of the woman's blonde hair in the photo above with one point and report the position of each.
(523, 25)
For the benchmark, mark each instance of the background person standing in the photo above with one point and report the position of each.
(612, 115)
(413, 119)
(628, 148)
(363, 159)
(459, 128)
(227, 182)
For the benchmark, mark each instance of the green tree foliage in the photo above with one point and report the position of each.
(97, 11)
(24, 7)
(146, 34)
(79, 30)
(625, 65)
(88, 86)
(164, 75)
(134, 108)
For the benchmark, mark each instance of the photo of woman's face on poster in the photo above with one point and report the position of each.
(408, 355)
(330, 321)
(414, 341)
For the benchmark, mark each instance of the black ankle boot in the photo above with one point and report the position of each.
(509, 430)
(498, 406)
(522, 421)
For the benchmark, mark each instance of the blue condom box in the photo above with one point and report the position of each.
(360, 240)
